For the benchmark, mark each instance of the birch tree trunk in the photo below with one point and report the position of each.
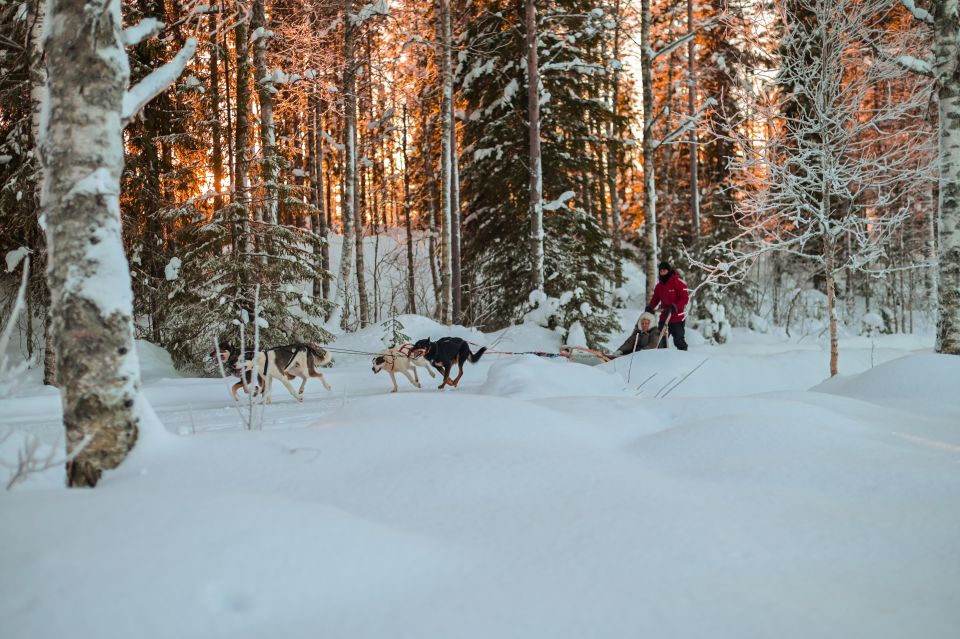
(536, 167)
(38, 94)
(649, 180)
(268, 136)
(81, 144)
(446, 173)
(947, 51)
(349, 182)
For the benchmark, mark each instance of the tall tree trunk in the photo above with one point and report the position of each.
(692, 106)
(321, 285)
(456, 282)
(536, 168)
(87, 270)
(268, 136)
(411, 283)
(947, 55)
(613, 151)
(445, 170)
(215, 130)
(649, 179)
(431, 182)
(829, 254)
(38, 93)
(241, 196)
(349, 182)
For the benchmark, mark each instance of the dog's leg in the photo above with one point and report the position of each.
(459, 374)
(416, 377)
(393, 378)
(234, 389)
(323, 380)
(406, 373)
(443, 371)
(286, 382)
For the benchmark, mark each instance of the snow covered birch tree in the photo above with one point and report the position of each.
(446, 135)
(837, 176)
(87, 105)
(536, 161)
(946, 67)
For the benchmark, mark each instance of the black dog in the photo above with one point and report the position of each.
(442, 354)
(229, 356)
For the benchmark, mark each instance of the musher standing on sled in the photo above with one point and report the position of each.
(671, 294)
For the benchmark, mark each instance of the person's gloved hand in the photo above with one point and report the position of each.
(648, 309)
(672, 309)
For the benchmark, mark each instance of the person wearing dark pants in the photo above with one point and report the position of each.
(672, 296)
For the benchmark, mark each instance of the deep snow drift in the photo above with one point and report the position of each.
(722, 492)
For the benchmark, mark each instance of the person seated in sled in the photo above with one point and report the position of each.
(644, 336)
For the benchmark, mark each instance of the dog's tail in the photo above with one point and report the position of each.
(475, 357)
(323, 355)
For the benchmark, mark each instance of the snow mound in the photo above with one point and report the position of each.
(155, 362)
(532, 377)
(922, 377)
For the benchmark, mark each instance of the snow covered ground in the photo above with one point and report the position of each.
(542, 498)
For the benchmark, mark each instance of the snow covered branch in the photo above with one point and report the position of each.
(919, 13)
(147, 28)
(151, 86)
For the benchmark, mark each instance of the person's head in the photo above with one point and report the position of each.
(664, 267)
(646, 321)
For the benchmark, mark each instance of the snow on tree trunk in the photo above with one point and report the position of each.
(81, 144)
(268, 139)
(38, 94)
(536, 167)
(446, 169)
(649, 181)
(947, 37)
(349, 182)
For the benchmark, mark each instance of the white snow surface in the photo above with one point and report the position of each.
(541, 498)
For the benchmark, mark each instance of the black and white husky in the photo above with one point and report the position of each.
(281, 362)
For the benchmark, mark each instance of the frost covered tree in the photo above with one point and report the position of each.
(835, 179)
(498, 257)
(87, 105)
(944, 68)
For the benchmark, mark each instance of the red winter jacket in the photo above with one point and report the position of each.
(673, 291)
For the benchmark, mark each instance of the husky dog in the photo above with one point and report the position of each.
(232, 365)
(282, 362)
(288, 362)
(443, 353)
(395, 360)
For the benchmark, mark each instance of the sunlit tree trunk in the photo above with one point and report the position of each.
(446, 136)
(411, 288)
(649, 180)
(613, 155)
(241, 196)
(216, 151)
(349, 182)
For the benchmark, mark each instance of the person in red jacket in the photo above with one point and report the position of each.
(671, 294)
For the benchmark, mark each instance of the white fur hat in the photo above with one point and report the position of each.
(648, 316)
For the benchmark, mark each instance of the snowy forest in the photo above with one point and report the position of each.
(191, 192)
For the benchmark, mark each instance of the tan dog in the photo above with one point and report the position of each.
(393, 360)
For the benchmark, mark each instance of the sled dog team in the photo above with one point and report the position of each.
(289, 362)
